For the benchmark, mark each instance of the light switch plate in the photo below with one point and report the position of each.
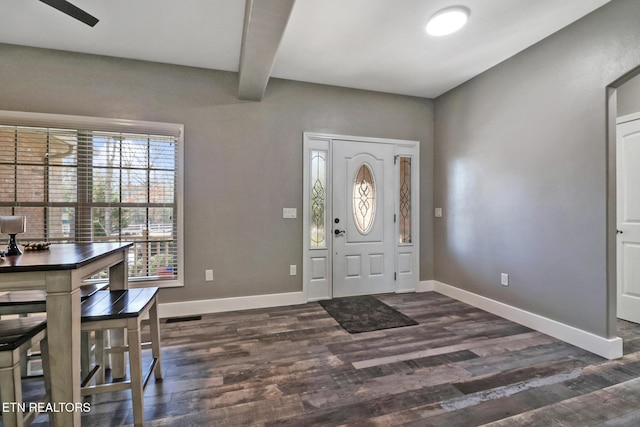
(438, 212)
(289, 213)
(504, 279)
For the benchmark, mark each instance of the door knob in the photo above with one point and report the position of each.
(338, 232)
(619, 231)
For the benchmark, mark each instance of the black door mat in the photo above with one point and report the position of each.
(365, 313)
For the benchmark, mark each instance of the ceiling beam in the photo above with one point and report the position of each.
(264, 25)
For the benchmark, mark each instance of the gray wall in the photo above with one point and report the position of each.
(243, 159)
(629, 97)
(520, 171)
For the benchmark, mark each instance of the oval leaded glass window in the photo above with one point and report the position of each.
(364, 199)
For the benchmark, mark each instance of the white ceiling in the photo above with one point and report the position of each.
(378, 45)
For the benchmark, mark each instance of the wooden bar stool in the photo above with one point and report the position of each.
(35, 301)
(124, 309)
(16, 337)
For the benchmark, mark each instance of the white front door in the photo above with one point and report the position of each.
(628, 220)
(362, 220)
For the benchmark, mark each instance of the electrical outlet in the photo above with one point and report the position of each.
(504, 279)
(292, 270)
(208, 275)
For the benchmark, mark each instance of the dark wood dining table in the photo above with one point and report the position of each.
(60, 271)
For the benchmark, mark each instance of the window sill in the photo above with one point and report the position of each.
(157, 283)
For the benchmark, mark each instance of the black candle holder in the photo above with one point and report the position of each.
(13, 248)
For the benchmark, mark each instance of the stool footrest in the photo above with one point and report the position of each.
(116, 350)
(148, 376)
(29, 416)
(90, 376)
(105, 388)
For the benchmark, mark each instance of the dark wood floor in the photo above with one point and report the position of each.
(294, 366)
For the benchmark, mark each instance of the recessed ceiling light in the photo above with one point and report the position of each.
(447, 21)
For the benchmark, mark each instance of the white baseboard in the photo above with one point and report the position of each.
(426, 286)
(607, 348)
(191, 308)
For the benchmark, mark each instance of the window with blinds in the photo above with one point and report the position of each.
(79, 185)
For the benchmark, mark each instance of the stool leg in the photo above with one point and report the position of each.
(44, 352)
(154, 324)
(107, 343)
(118, 364)
(11, 391)
(85, 354)
(24, 361)
(24, 364)
(135, 367)
(100, 358)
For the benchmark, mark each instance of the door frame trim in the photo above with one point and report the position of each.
(315, 289)
(623, 121)
(611, 107)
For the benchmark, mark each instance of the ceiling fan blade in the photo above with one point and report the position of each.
(73, 11)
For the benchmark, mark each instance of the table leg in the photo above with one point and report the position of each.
(118, 279)
(63, 330)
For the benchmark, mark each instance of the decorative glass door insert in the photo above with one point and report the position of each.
(318, 200)
(405, 200)
(364, 199)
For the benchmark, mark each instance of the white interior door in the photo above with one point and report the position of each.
(363, 227)
(628, 220)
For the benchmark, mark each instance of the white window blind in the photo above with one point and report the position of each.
(81, 185)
